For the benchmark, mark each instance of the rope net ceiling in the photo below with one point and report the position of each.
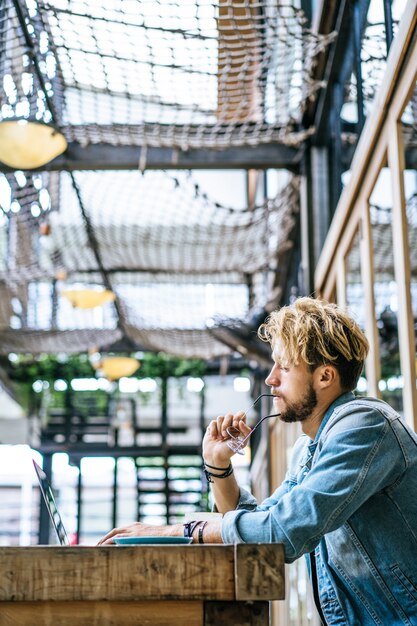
(162, 73)
(174, 258)
(151, 73)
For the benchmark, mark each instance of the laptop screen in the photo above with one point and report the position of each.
(48, 496)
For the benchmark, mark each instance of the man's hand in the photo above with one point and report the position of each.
(216, 452)
(142, 530)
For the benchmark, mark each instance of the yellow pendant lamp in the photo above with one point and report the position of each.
(88, 298)
(115, 367)
(27, 145)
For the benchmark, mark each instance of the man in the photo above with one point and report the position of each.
(349, 500)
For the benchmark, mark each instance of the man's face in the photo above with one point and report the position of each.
(292, 386)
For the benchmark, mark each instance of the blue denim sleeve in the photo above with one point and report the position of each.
(247, 502)
(358, 456)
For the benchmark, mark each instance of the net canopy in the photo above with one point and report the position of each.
(174, 258)
(177, 253)
(185, 73)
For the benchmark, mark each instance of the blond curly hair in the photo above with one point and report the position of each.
(318, 333)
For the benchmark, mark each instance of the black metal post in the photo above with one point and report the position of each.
(79, 501)
(69, 409)
(44, 519)
(336, 156)
(307, 10)
(306, 270)
(114, 508)
(389, 29)
(166, 487)
(137, 468)
(204, 489)
(357, 46)
(164, 409)
(164, 443)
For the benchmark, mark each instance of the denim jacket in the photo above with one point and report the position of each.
(349, 500)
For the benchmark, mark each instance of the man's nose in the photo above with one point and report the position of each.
(272, 380)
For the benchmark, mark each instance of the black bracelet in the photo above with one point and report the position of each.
(217, 468)
(200, 532)
(189, 528)
(226, 473)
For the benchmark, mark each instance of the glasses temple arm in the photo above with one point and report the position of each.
(258, 424)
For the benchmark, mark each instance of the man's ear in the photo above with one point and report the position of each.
(327, 375)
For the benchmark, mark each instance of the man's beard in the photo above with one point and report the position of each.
(301, 410)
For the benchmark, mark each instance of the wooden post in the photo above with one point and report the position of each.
(373, 364)
(341, 287)
(259, 571)
(401, 254)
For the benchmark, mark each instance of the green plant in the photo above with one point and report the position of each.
(26, 369)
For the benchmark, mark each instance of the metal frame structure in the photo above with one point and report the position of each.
(77, 446)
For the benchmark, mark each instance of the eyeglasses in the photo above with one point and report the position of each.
(237, 442)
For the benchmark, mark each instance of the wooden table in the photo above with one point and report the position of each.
(158, 585)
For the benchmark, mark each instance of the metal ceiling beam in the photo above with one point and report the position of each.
(80, 449)
(335, 65)
(108, 157)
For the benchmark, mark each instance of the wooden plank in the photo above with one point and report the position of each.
(373, 361)
(259, 571)
(99, 613)
(401, 254)
(341, 287)
(329, 289)
(233, 613)
(117, 573)
(253, 177)
(405, 87)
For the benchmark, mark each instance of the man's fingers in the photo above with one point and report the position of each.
(217, 429)
(212, 429)
(219, 422)
(244, 428)
(112, 533)
(239, 418)
(227, 423)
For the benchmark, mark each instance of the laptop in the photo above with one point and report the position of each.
(49, 498)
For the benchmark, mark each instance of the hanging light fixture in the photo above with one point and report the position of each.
(115, 367)
(88, 298)
(27, 144)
